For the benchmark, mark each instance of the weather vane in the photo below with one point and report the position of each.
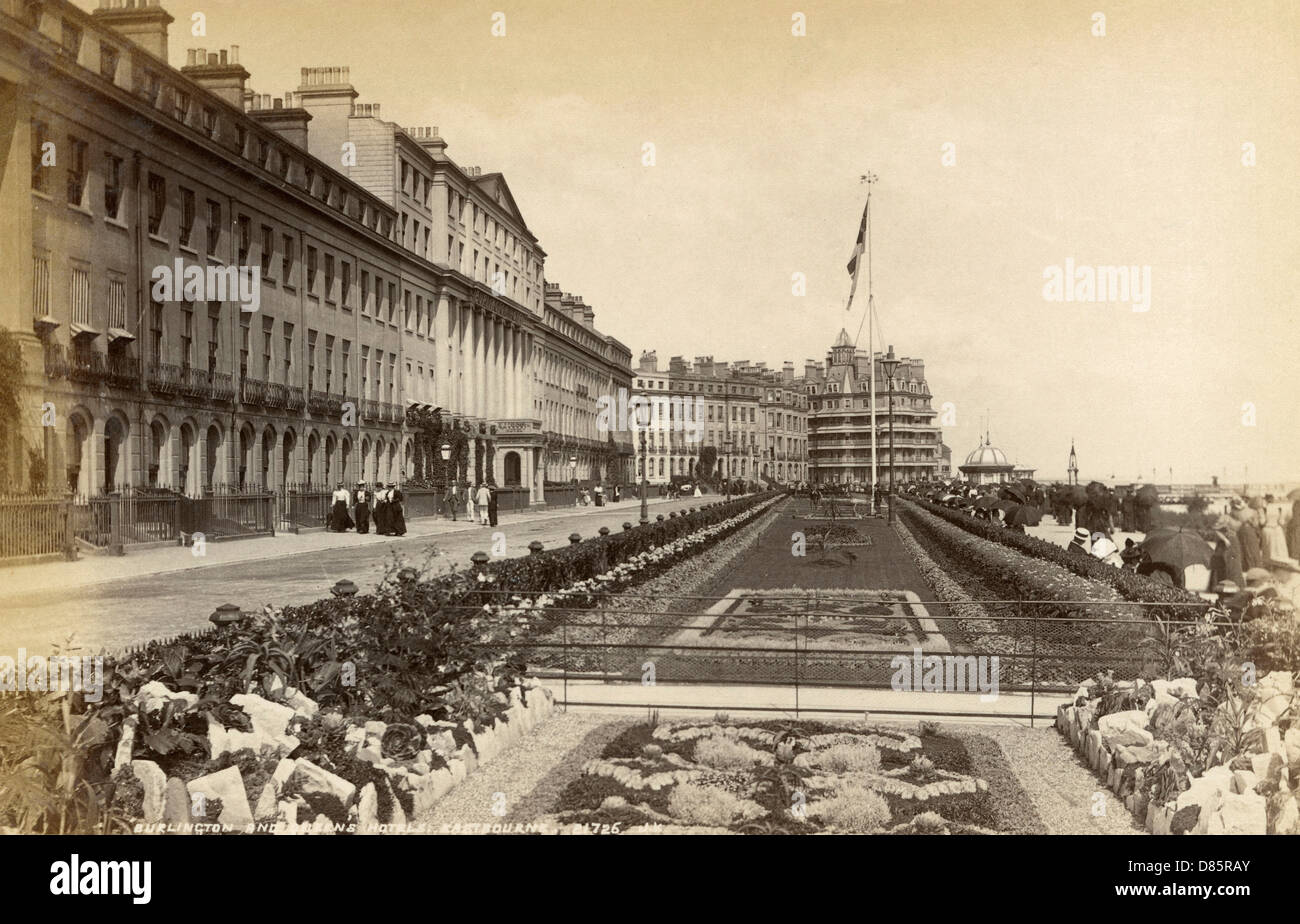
(868, 178)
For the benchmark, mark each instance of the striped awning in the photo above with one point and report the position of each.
(119, 333)
(83, 330)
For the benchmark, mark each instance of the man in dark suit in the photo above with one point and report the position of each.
(492, 505)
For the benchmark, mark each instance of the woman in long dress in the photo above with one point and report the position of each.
(361, 510)
(381, 512)
(1274, 534)
(396, 514)
(339, 519)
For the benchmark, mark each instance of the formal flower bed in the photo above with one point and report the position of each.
(1083, 625)
(1186, 759)
(422, 658)
(1128, 584)
(779, 778)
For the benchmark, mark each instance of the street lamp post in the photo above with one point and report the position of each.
(445, 451)
(890, 366)
(727, 447)
(645, 467)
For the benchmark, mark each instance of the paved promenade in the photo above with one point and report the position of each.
(114, 602)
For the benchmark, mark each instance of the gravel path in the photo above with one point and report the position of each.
(1061, 787)
(530, 774)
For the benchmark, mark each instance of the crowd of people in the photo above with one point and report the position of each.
(479, 503)
(359, 508)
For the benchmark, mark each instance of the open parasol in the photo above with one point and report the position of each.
(1178, 549)
(1024, 515)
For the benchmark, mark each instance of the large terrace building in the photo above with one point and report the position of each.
(388, 278)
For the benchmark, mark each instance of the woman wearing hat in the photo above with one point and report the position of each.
(396, 514)
(1225, 562)
(381, 511)
(361, 508)
(339, 519)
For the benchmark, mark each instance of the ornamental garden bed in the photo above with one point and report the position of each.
(1127, 584)
(350, 691)
(772, 777)
(1081, 625)
(1189, 761)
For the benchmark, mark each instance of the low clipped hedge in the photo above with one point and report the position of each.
(1130, 585)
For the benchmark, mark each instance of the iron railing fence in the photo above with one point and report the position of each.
(809, 640)
(35, 526)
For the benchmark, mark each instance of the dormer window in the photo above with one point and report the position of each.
(71, 39)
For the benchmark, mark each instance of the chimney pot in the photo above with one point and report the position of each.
(212, 58)
(190, 56)
(234, 54)
(223, 55)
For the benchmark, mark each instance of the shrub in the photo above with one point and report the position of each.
(703, 805)
(1272, 639)
(723, 753)
(929, 823)
(853, 810)
(1130, 585)
(847, 758)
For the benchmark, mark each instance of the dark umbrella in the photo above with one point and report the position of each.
(1007, 504)
(987, 502)
(1178, 549)
(1078, 496)
(1024, 515)
(1148, 496)
(1294, 495)
(1013, 492)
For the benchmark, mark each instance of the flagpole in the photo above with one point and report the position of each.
(871, 351)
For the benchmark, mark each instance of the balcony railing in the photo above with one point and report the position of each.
(165, 378)
(195, 383)
(324, 404)
(294, 399)
(253, 392)
(276, 395)
(88, 366)
(123, 372)
(56, 361)
(223, 386)
(369, 409)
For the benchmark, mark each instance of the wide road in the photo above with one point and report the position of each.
(116, 614)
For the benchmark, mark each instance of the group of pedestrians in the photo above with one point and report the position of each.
(480, 503)
(362, 506)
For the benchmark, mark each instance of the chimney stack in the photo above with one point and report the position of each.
(144, 22)
(328, 96)
(215, 72)
(284, 117)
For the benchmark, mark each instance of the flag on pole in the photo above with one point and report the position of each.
(859, 250)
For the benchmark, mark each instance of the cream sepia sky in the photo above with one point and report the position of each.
(1117, 150)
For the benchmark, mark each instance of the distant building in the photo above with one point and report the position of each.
(989, 465)
(839, 419)
(753, 417)
(945, 460)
